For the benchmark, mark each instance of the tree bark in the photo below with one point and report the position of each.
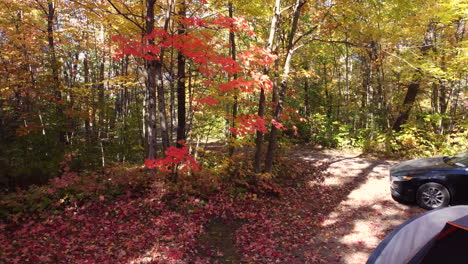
(101, 101)
(86, 81)
(410, 98)
(172, 98)
(283, 86)
(55, 70)
(160, 88)
(232, 42)
(181, 109)
(151, 67)
(262, 99)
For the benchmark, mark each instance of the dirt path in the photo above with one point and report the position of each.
(363, 211)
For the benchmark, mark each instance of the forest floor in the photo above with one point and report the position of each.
(339, 220)
(349, 214)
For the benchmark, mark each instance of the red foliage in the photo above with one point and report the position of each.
(175, 158)
(30, 127)
(207, 100)
(277, 124)
(239, 83)
(136, 48)
(257, 57)
(249, 125)
(263, 81)
(194, 21)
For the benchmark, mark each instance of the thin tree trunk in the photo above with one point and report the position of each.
(262, 99)
(283, 86)
(306, 97)
(86, 82)
(101, 100)
(181, 111)
(172, 104)
(232, 42)
(160, 89)
(55, 70)
(347, 88)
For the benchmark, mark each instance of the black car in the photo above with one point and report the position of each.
(431, 182)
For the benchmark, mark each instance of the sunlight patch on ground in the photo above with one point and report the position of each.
(364, 213)
(332, 219)
(357, 257)
(368, 199)
(334, 181)
(368, 192)
(360, 235)
(360, 239)
(343, 174)
(157, 254)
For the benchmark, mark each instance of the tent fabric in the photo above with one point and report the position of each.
(461, 222)
(446, 247)
(403, 243)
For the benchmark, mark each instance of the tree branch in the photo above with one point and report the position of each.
(125, 16)
(359, 45)
(42, 7)
(405, 61)
(308, 32)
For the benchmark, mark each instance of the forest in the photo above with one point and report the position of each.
(171, 110)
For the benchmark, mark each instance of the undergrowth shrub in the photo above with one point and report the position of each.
(413, 141)
(219, 174)
(71, 190)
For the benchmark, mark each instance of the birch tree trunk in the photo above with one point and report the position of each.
(283, 86)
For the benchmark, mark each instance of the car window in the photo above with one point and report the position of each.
(460, 160)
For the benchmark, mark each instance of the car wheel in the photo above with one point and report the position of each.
(432, 195)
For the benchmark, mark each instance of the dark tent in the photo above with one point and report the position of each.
(437, 236)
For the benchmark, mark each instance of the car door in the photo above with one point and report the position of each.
(457, 178)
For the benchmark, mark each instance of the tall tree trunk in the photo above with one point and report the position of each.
(262, 99)
(347, 86)
(181, 110)
(151, 67)
(86, 82)
(172, 104)
(283, 86)
(328, 96)
(160, 88)
(306, 97)
(101, 99)
(55, 70)
(232, 42)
